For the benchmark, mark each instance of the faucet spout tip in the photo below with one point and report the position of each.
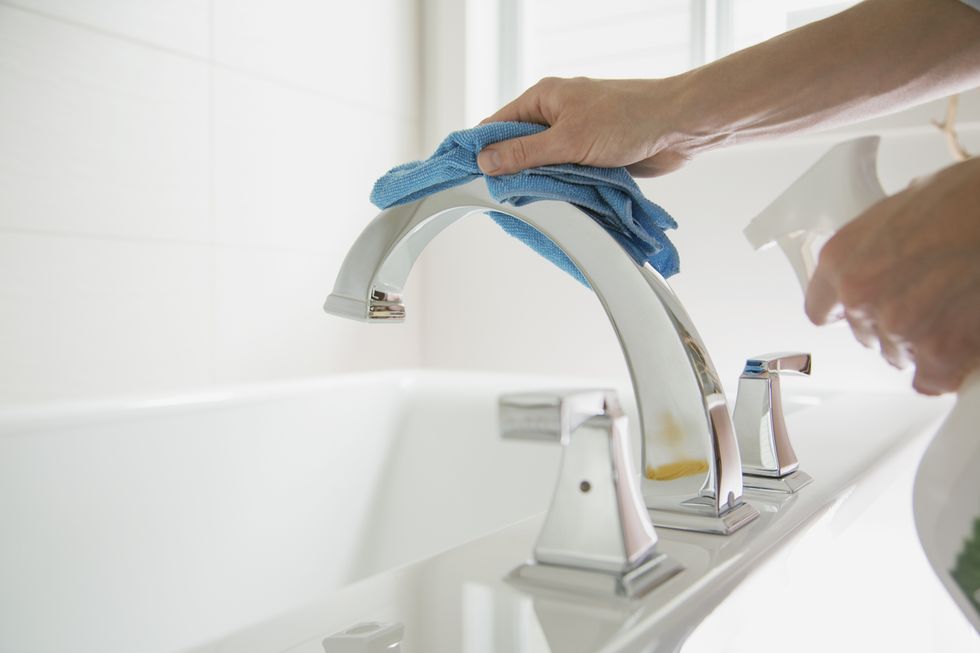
(381, 307)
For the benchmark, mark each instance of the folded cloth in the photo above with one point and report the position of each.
(608, 195)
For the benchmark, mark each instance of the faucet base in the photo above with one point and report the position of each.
(630, 585)
(703, 522)
(789, 484)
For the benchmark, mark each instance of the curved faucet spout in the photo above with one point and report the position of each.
(691, 466)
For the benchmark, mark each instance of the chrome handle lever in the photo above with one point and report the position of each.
(768, 459)
(553, 416)
(597, 520)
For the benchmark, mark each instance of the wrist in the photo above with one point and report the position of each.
(695, 122)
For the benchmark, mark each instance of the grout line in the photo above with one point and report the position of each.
(140, 240)
(163, 241)
(291, 85)
(418, 127)
(210, 61)
(101, 31)
(212, 211)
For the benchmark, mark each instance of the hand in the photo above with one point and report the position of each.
(907, 274)
(604, 123)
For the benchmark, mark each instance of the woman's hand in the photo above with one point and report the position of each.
(604, 123)
(907, 274)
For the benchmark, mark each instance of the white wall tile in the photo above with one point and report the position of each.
(82, 317)
(493, 304)
(271, 324)
(177, 24)
(164, 223)
(363, 52)
(99, 135)
(293, 169)
(108, 143)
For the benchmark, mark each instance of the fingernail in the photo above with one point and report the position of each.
(489, 161)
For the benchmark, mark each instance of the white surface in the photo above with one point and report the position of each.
(159, 524)
(86, 316)
(99, 135)
(169, 219)
(793, 563)
(858, 580)
(362, 52)
(120, 130)
(947, 492)
(295, 169)
(620, 39)
(269, 326)
(174, 24)
(167, 523)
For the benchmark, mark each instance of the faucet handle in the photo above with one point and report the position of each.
(553, 416)
(768, 459)
(597, 521)
(797, 363)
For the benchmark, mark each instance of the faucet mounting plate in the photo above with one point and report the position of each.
(786, 484)
(638, 582)
(724, 524)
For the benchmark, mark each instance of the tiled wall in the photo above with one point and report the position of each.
(179, 181)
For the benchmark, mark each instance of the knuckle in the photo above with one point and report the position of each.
(923, 385)
(841, 251)
(895, 319)
(518, 152)
(832, 251)
(928, 350)
(852, 291)
(932, 380)
(938, 356)
(546, 83)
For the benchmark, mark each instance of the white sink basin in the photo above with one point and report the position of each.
(268, 518)
(157, 525)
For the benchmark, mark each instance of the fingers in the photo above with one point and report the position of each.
(526, 108)
(932, 379)
(823, 305)
(822, 301)
(949, 352)
(907, 272)
(893, 350)
(863, 328)
(508, 157)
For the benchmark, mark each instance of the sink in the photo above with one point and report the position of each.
(842, 551)
(157, 524)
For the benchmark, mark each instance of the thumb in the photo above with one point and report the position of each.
(508, 157)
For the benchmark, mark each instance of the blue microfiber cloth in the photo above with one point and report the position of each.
(608, 195)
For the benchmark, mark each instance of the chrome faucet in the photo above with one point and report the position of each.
(692, 472)
(597, 535)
